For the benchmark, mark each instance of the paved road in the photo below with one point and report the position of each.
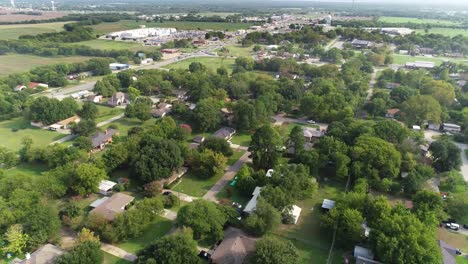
(227, 177)
(281, 118)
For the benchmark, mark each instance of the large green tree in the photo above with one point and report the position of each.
(266, 147)
(208, 164)
(177, 248)
(446, 155)
(265, 218)
(84, 253)
(86, 178)
(273, 250)
(420, 108)
(88, 111)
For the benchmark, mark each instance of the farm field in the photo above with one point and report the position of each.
(388, 19)
(450, 32)
(18, 63)
(14, 31)
(403, 59)
(210, 62)
(112, 45)
(104, 28)
(12, 139)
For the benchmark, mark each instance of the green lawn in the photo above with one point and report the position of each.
(235, 157)
(106, 112)
(242, 139)
(124, 124)
(462, 260)
(19, 63)
(210, 62)
(33, 169)
(14, 31)
(111, 259)
(156, 230)
(12, 140)
(389, 19)
(313, 241)
(239, 51)
(453, 238)
(403, 59)
(451, 32)
(112, 45)
(104, 28)
(192, 185)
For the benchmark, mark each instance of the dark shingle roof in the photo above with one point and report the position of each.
(100, 137)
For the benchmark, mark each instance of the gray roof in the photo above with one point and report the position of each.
(328, 204)
(234, 248)
(363, 252)
(224, 132)
(363, 260)
(448, 253)
(44, 255)
(100, 137)
(113, 206)
(361, 42)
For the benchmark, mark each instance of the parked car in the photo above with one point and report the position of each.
(465, 226)
(452, 226)
(167, 193)
(204, 255)
(310, 121)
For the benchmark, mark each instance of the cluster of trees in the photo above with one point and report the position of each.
(74, 32)
(440, 43)
(307, 35)
(215, 34)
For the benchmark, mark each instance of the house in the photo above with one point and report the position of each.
(44, 255)
(361, 44)
(100, 139)
(433, 126)
(169, 51)
(420, 65)
(311, 134)
(119, 98)
(225, 133)
(363, 252)
(451, 127)
(105, 187)
(65, 124)
(109, 207)
(162, 110)
(328, 204)
(198, 139)
(94, 98)
(252, 204)
(118, 66)
(180, 94)
(234, 249)
(34, 85)
(449, 253)
(392, 112)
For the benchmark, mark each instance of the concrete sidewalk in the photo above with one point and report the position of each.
(118, 252)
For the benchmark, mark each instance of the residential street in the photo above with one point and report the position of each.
(227, 177)
(281, 118)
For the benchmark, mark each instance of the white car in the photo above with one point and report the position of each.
(453, 226)
(310, 121)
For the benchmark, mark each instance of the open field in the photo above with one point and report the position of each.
(111, 259)
(18, 63)
(192, 185)
(32, 169)
(417, 21)
(113, 45)
(159, 228)
(107, 112)
(312, 241)
(12, 140)
(242, 139)
(124, 124)
(453, 238)
(239, 51)
(462, 260)
(7, 16)
(210, 62)
(104, 28)
(14, 31)
(403, 59)
(450, 32)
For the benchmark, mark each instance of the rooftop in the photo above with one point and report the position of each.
(109, 208)
(328, 204)
(234, 248)
(44, 255)
(224, 132)
(252, 204)
(100, 137)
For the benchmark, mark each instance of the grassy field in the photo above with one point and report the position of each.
(33, 169)
(235, 157)
(156, 230)
(111, 259)
(12, 140)
(403, 59)
(124, 124)
(450, 32)
(104, 28)
(387, 19)
(239, 51)
(113, 45)
(210, 62)
(192, 185)
(462, 260)
(453, 238)
(107, 112)
(242, 139)
(18, 63)
(312, 241)
(14, 31)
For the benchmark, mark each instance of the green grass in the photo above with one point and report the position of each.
(403, 59)
(450, 32)
(111, 259)
(192, 185)
(462, 260)
(159, 228)
(235, 157)
(112, 45)
(233, 194)
(33, 169)
(388, 19)
(239, 51)
(453, 238)
(242, 139)
(12, 140)
(210, 62)
(311, 239)
(106, 112)
(104, 28)
(124, 124)
(14, 31)
(19, 63)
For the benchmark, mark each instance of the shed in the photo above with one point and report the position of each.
(363, 252)
(328, 204)
(54, 127)
(296, 212)
(106, 186)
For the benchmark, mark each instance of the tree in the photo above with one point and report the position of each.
(390, 131)
(442, 91)
(428, 207)
(218, 145)
(89, 111)
(140, 109)
(264, 219)
(204, 218)
(115, 156)
(8, 158)
(420, 108)
(245, 63)
(16, 239)
(197, 67)
(273, 250)
(177, 248)
(416, 178)
(452, 181)
(208, 164)
(265, 147)
(207, 115)
(41, 224)
(297, 139)
(85, 127)
(84, 253)
(86, 235)
(245, 182)
(86, 178)
(245, 117)
(83, 143)
(446, 155)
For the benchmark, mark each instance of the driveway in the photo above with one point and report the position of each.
(227, 177)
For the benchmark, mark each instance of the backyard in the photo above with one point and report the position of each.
(14, 31)
(13, 131)
(124, 124)
(111, 259)
(106, 112)
(194, 186)
(32, 169)
(242, 139)
(210, 62)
